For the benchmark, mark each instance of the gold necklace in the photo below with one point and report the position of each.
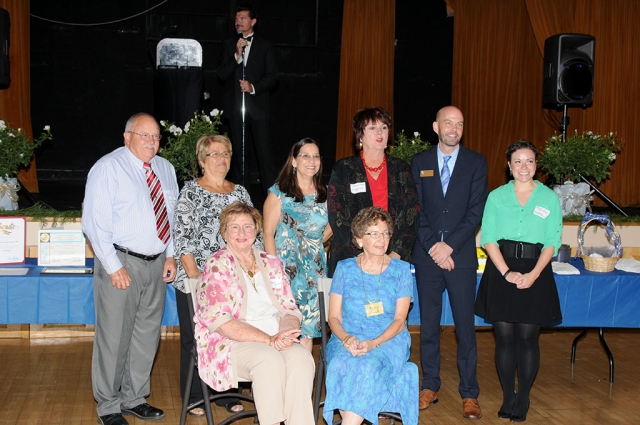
(362, 275)
(249, 271)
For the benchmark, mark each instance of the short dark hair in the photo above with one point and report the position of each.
(247, 8)
(368, 217)
(366, 116)
(521, 144)
(287, 181)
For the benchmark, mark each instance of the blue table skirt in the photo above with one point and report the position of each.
(591, 299)
(51, 298)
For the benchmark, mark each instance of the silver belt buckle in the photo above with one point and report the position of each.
(519, 250)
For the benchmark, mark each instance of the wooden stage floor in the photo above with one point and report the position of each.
(48, 381)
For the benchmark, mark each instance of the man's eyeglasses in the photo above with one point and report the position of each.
(219, 154)
(376, 235)
(235, 228)
(307, 157)
(146, 136)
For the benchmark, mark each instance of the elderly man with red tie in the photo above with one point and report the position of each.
(128, 215)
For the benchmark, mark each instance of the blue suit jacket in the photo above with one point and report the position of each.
(456, 215)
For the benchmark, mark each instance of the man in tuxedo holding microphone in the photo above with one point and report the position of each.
(248, 66)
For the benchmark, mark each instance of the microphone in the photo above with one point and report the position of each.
(239, 37)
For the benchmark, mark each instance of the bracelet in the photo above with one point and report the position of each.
(506, 274)
(377, 342)
(345, 339)
(271, 340)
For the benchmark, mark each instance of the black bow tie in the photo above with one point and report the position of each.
(249, 39)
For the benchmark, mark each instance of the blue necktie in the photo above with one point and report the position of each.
(445, 174)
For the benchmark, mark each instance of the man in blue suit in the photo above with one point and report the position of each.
(451, 182)
(260, 76)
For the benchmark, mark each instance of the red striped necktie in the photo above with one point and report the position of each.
(157, 200)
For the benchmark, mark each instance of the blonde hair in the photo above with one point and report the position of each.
(239, 208)
(205, 141)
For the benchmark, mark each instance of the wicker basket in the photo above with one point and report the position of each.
(595, 264)
(599, 264)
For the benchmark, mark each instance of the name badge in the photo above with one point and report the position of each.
(374, 309)
(358, 187)
(426, 173)
(541, 212)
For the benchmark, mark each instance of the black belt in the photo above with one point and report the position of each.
(512, 249)
(135, 254)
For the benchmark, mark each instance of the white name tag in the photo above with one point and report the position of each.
(541, 212)
(358, 187)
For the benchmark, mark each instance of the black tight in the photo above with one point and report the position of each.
(516, 348)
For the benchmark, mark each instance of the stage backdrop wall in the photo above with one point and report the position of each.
(497, 78)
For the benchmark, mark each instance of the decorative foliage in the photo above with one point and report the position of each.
(42, 212)
(16, 150)
(587, 154)
(180, 149)
(404, 147)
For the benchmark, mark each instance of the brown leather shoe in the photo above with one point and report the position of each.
(471, 408)
(427, 398)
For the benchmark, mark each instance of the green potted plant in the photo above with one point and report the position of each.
(180, 148)
(585, 154)
(405, 147)
(16, 151)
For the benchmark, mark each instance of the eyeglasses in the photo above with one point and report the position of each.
(146, 136)
(235, 228)
(376, 235)
(307, 157)
(218, 154)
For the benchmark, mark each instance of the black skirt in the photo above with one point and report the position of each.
(501, 301)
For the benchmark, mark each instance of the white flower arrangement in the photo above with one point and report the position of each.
(180, 148)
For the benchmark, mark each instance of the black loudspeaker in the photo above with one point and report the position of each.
(568, 71)
(4, 49)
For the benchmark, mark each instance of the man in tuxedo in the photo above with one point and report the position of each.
(451, 182)
(260, 76)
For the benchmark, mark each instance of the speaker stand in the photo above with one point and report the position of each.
(564, 123)
(563, 128)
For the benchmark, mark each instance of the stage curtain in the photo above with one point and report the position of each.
(366, 64)
(497, 79)
(15, 102)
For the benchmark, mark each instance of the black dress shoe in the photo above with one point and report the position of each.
(112, 419)
(144, 411)
(507, 407)
(520, 416)
(504, 415)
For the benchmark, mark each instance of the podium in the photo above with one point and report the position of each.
(178, 80)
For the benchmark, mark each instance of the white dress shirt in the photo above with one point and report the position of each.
(117, 207)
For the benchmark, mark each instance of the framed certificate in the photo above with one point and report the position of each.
(61, 247)
(13, 238)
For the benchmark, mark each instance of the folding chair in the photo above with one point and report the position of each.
(190, 287)
(324, 285)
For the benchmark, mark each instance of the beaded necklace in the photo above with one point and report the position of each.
(373, 169)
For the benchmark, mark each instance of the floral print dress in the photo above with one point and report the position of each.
(197, 224)
(299, 246)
